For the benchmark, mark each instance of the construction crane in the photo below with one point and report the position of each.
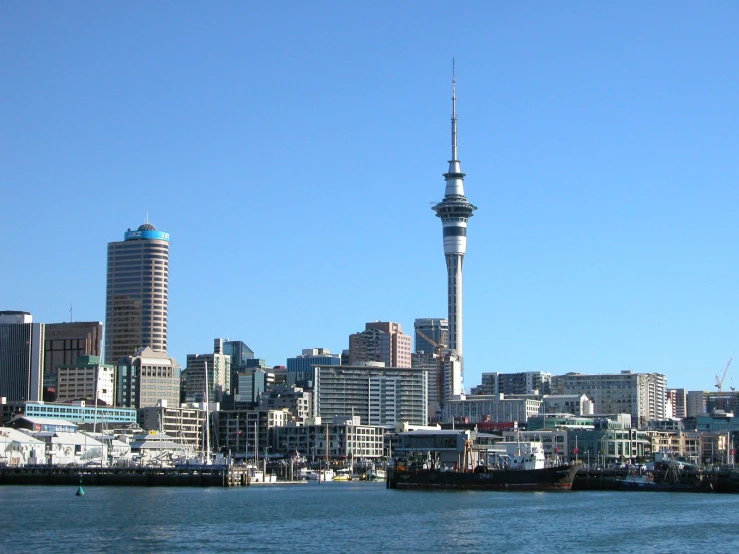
(430, 341)
(720, 382)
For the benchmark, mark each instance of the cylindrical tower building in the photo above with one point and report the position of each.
(137, 294)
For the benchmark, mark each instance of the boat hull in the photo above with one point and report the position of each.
(547, 479)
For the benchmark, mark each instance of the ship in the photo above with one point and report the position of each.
(503, 466)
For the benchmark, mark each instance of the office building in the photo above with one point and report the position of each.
(454, 211)
(88, 380)
(300, 368)
(137, 295)
(21, 357)
(475, 409)
(218, 380)
(381, 341)
(64, 343)
(252, 383)
(146, 378)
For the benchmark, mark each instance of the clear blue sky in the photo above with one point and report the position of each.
(293, 151)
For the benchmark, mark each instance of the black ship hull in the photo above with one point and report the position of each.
(558, 478)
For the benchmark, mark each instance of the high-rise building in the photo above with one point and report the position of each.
(454, 211)
(643, 395)
(21, 357)
(431, 334)
(137, 294)
(381, 341)
(378, 395)
(697, 403)
(218, 378)
(64, 344)
(300, 368)
(679, 400)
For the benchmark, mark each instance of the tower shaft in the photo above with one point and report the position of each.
(454, 211)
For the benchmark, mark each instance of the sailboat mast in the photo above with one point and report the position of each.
(207, 416)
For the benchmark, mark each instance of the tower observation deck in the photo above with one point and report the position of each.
(454, 211)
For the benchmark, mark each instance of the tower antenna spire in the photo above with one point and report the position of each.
(454, 111)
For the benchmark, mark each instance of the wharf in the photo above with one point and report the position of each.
(181, 476)
(687, 480)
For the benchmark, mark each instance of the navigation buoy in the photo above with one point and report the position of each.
(80, 490)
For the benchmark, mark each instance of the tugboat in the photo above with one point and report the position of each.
(506, 466)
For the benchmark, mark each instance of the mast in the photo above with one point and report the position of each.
(207, 416)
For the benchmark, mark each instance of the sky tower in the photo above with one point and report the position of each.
(454, 211)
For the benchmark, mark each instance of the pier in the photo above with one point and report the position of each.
(182, 476)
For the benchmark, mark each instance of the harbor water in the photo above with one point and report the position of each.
(360, 517)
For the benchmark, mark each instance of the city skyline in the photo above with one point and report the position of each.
(294, 166)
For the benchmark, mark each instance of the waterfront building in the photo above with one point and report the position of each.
(378, 395)
(678, 444)
(607, 443)
(21, 357)
(381, 341)
(575, 404)
(491, 409)
(643, 395)
(431, 334)
(18, 448)
(146, 378)
(218, 378)
(342, 438)
(42, 424)
(697, 403)
(76, 412)
(156, 448)
(300, 368)
(248, 434)
(86, 379)
(454, 211)
(715, 448)
(137, 293)
(185, 423)
(717, 422)
(64, 343)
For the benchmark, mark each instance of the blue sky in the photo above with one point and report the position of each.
(293, 151)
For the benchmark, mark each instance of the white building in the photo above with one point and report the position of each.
(481, 408)
(18, 448)
(378, 395)
(576, 404)
(643, 395)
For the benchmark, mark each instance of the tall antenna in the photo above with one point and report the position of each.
(71, 319)
(454, 111)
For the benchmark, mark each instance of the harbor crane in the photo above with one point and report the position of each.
(720, 381)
